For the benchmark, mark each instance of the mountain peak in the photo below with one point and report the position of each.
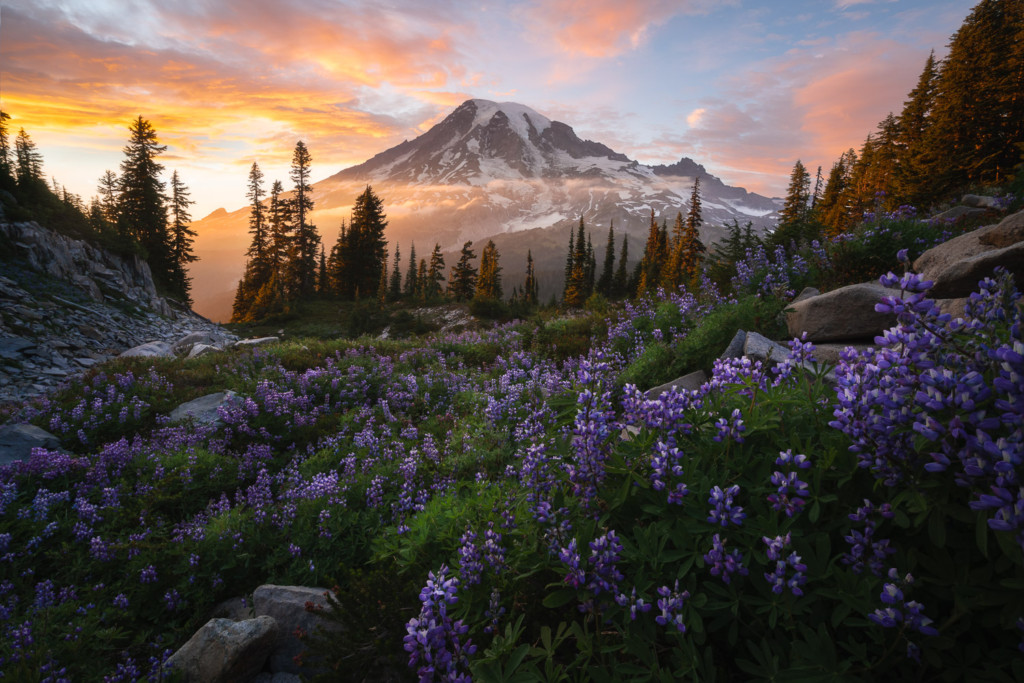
(520, 117)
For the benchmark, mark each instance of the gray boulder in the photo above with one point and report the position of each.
(958, 213)
(689, 382)
(153, 349)
(17, 442)
(226, 651)
(12, 347)
(287, 605)
(1008, 231)
(806, 293)
(203, 350)
(758, 347)
(844, 314)
(979, 201)
(735, 347)
(204, 409)
(961, 278)
(829, 353)
(186, 343)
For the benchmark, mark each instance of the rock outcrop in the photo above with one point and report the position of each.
(226, 651)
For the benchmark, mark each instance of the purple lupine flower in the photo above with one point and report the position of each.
(671, 605)
(723, 513)
(635, 604)
(777, 577)
(433, 640)
(570, 557)
(724, 563)
(604, 554)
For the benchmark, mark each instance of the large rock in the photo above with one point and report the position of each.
(1008, 231)
(979, 201)
(226, 651)
(735, 347)
(12, 347)
(204, 409)
(689, 382)
(287, 605)
(934, 262)
(758, 347)
(958, 213)
(203, 350)
(844, 314)
(17, 442)
(186, 343)
(153, 349)
(961, 278)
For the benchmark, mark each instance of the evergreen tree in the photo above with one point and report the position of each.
(29, 162)
(569, 261)
(323, 286)
(605, 281)
(832, 210)
(382, 284)
(978, 114)
(620, 283)
(529, 294)
(410, 290)
(366, 249)
(818, 187)
(5, 146)
(576, 284)
(306, 239)
(653, 260)
(420, 291)
(488, 284)
(462, 279)
(259, 248)
(395, 285)
(336, 263)
(590, 270)
(435, 274)
(142, 210)
(279, 224)
(911, 182)
(182, 239)
(107, 203)
(692, 249)
(794, 219)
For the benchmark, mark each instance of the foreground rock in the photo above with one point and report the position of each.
(689, 382)
(287, 605)
(204, 410)
(17, 442)
(844, 314)
(226, 651)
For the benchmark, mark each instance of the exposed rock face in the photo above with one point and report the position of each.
(66, 305)
(17, 442)
(287, 605)
(226, 651)
(88, 267)
(847, 313)
(153, 349)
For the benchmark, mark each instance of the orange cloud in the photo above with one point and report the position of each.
(606, 28)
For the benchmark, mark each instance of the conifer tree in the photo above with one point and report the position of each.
(142, 210)
(911, 182)
(488, 284)
(366, 249)
(529, 294)
(395, 284)
(382, 284)
(5, 146)
(410, 289)
(279, 224)
(620, 283)
(693, 249)
(435, 274)
(306, 239)
(336, 263)
(795, 214)
(576, 284)
(605, 281)
(182, 239)
(323, 281)
(569, 261)
(259, 247)
(29, 162)
(590, 270)
(107, 203)
(653, 260)
(420, 291)
(462, 279)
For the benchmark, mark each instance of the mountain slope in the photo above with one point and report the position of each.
(491, 169)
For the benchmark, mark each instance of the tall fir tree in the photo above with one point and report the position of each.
(620, 283)
(182, 239)
(488, 283)
(653, 260)
(366, 257)
(569, 261)
(279, 224)
(5, 146)
(462, 279)
(435, 274)
(108, 190)
(28, 169)
(395, 283)
(911, 182)
(604, 282)
(142, 211)
(420, 291)
(306, 239)
(529, 294)
(575, 291)
(410, 288)
(794, 218)
(259, 246)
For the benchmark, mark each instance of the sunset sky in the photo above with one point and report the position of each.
(743, 87)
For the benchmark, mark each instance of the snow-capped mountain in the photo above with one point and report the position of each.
(501, 171)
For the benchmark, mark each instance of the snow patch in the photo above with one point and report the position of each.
(516, 113)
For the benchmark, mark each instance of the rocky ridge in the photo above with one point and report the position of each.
(67, 305)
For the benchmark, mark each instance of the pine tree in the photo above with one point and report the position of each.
(395, 284)
(488, 284)
(794, 218)
(306, 239)
(653, 260)
(323, 286)
(620, 283)
(462, 280)
(182, 239)
(28, 168)
(605, 281)
(420, 291)
(366, 248)
(529, 295)
(911, 183)
(435, 274)
(589, 270)
(337, 263)
(693, 248)
(259, 248)
(142, 210)
(818, 188)
(382, 284)
(279, 224)
(576, 283)
(569, 260)
(107, 203)
(410, 289)
(5, 146)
